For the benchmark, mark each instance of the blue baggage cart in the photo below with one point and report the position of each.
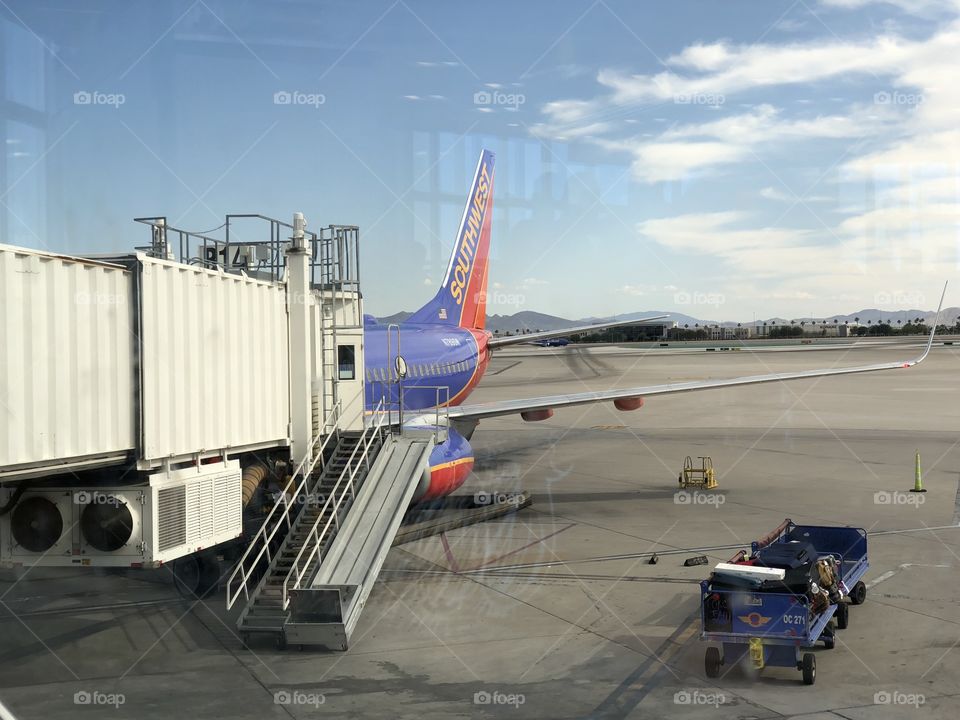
(768, 627)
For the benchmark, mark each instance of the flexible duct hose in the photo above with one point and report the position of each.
(253, 476)
(14, 499)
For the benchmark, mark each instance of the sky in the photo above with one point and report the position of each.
(730, 161)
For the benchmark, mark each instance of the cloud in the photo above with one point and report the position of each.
(917, 7)
(728, 70)
(862, 255)
(772, 193)
(685, 149)
(723, 69)
(656, 161)
(638, 290)
(895, 185)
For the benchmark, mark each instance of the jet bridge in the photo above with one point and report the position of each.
(154, 393)
(150, 394)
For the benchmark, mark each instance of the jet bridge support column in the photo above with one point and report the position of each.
(298, 314)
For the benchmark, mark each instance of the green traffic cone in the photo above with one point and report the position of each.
(918, 478)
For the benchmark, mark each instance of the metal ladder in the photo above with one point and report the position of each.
(328, 359)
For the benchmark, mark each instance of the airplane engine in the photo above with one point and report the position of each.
(537, 415)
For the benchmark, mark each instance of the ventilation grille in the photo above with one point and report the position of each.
(214, 506)
(171, 517)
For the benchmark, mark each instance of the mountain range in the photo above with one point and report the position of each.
(530, 320)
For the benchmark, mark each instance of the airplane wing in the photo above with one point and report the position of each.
(538, 408)
(498, 342)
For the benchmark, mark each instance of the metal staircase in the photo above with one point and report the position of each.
(339, 570)
(319, 494)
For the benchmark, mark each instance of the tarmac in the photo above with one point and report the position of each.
(554, 611)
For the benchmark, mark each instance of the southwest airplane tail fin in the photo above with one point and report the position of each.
(462, 298)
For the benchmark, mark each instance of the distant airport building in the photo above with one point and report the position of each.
(805, 328)
(729, 333)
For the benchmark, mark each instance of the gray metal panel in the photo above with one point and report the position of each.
(375, 514)
(214, 360)
(66, 359)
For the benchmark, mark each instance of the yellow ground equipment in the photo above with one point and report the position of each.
(702, 477)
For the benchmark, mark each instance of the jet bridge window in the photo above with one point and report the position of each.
(346, 362)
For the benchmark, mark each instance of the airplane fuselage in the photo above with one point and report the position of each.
(444, 363)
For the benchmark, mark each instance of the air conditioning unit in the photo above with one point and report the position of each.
(193, 509)
(40, 525)
(175, 514)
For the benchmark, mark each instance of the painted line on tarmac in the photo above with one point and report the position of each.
(504, 369)
(912, 530)
(521, 549)
(890, 573)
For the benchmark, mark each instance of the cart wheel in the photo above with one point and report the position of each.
(829, 642)
(859, 593)
(809, 668)
(842, 615)
(712, 662)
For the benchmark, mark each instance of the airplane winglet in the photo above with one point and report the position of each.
(933, 330)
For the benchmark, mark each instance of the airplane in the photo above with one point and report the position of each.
(553, 342)
(445, 345)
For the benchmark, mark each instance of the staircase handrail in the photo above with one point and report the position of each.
(315, 539)
(263, 538)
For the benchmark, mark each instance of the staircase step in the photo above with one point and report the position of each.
(331, 482)
(266, 615)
